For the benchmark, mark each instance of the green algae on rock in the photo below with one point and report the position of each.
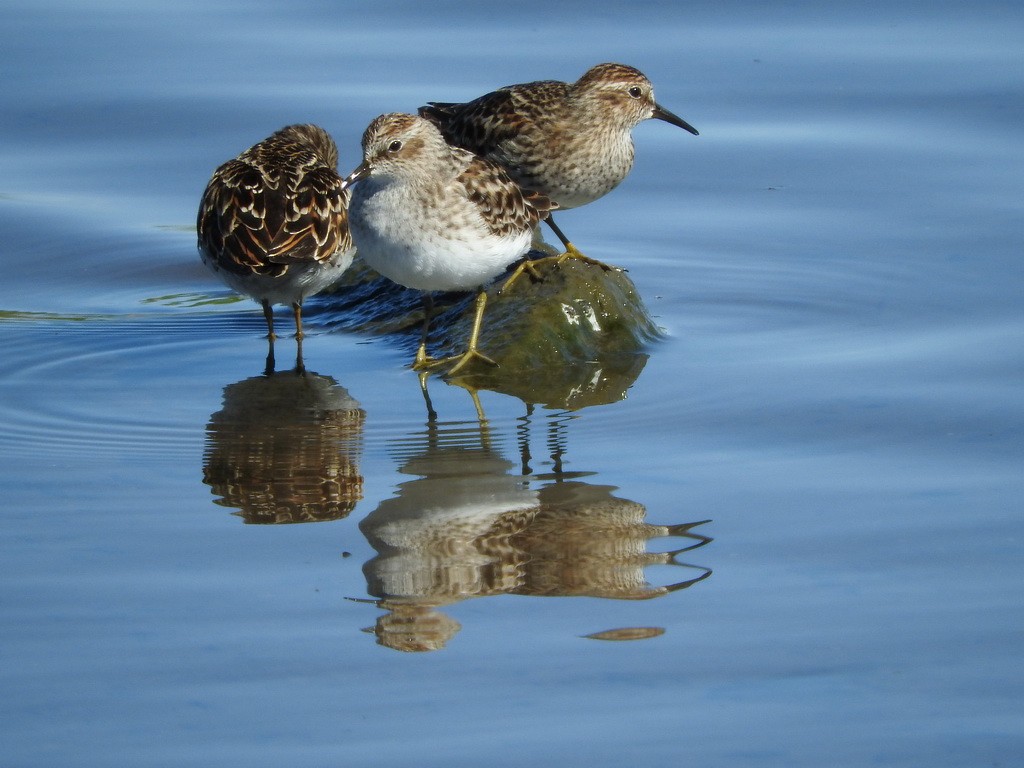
(575, 337)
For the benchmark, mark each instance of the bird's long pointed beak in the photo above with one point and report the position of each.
(660, 113)
(358, 174)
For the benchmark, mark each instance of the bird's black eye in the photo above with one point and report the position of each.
(394, 146)
(635, 92)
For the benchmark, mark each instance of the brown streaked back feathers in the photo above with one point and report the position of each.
(483, 124)
(278, 203)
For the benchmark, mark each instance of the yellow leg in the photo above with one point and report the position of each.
(423, 361)
(571, 251)
(268, 315)
(471, 352)
(297, 312)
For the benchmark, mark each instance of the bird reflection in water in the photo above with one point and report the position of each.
(285, 446)
(470, 525)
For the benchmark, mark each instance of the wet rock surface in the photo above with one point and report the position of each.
(572, 336)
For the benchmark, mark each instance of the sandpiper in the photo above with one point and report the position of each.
(434, 217)
(273, 222)
(568, 141)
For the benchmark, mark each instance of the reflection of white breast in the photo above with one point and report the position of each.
(446, 512)
(442, 537)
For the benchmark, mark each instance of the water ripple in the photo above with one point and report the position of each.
(75, 387)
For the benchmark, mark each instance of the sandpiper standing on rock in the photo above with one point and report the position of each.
(568, 141)
(434, 217)
(273, 222)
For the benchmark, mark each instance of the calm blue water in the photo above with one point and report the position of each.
(836, 262)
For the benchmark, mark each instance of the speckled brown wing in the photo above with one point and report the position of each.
(505, 207)
(488, 123)
(481, 125)
(512, 126)
(276, 204)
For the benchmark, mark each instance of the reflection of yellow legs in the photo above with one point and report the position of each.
(271, 364)
(424, 362)
(481, 417)
(432, 414)
(268, 369)
(300, 364)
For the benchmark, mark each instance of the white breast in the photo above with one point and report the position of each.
(440, 245)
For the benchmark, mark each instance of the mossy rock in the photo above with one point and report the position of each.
(575, 337)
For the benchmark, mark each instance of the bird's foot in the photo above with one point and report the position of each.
(572, 252)
(469, 356)
(423, 362)
(524, 266)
